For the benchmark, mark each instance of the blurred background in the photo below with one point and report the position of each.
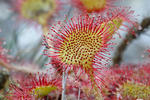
(23, 39)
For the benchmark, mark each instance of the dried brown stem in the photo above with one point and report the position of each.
(128, 40)
(122, 47)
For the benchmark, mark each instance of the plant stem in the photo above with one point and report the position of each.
(64, 84)
(79, 94)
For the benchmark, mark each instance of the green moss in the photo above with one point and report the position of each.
(139, 91)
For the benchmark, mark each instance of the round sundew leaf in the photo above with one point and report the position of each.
(80, 48)
(81, 44)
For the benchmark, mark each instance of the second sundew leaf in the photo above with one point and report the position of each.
(122, 19)
(113, 24)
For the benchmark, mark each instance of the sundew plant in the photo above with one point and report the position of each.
(76, 55)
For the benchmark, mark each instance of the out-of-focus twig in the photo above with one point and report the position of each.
(64, 80)
(128, 40)
(18, 69)
(79, 93)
